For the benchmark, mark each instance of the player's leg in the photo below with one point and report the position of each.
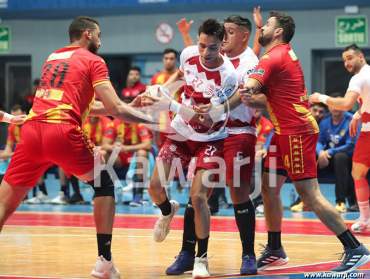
(238, 178)
(170, 153)
(300, 160)
(273, 178)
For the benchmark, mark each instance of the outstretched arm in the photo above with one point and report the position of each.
(184, 29)
(258, 21)
(340, 103)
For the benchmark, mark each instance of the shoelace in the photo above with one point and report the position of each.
(263, 249)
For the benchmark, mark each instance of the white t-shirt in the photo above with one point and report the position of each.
(360, 83)
(204, 86)
(241, 119)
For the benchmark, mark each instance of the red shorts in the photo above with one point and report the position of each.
(125, 157)
(298, 155)
(185, 150)
(361, 153)
(45, 144)
(238, 147)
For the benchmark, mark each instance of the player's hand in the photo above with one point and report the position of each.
(18, 119)
(257, 17)
(323, 159)
(261, 154)
(203, 108)
(353, 126)
(184, 26)
(314, 98)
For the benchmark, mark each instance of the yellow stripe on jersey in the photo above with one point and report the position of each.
(307, 114)
(273, 119)
(98, 82)
(50, 94)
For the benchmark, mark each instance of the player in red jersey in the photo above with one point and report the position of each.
(133, 84)
(52, 134)
(12, 119)
(280, 78)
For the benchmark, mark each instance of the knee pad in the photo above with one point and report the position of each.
(106, 188)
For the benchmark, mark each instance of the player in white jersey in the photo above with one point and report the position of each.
(358, 89)
(239, 144)
(210, 78)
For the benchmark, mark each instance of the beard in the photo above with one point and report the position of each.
(263, 40)
(93, 48)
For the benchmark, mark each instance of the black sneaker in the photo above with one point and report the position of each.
(271, 258)
(184, 262)
(76, 199)
(353, 258)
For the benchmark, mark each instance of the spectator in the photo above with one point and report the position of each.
(334, 150)
(133, 84)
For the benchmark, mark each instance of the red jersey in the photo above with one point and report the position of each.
(14, 134)
(137, 89)
(281, 76)
(130, 133)
(264, 128)
(160, 78)
(67, 83)
(98, 130)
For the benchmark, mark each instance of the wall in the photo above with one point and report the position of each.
(135, 34)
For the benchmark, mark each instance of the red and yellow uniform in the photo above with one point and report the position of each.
(264, 127)
(131, 92)
(97, 128)
(281, 76)
(52, 133)
(14, 135)
(130, 134)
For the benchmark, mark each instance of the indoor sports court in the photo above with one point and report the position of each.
(112, 83)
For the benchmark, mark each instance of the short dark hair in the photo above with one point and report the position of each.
(336, 94)
(353, 47)
(322, 105)
(79, 25)
(213, 28)
(135, 68)
(170, 50)
(16, 107)
(287, 23)
(240, 21)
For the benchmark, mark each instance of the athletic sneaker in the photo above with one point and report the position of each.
(39, 199)
(260, 210)
(360, 226)
(60, 199)
(200, 268)
(76, 199)
(271, 258)
(105, 269)
(249, 265)
(297, 207)
(184, 262)
(352, 259)
(162, 226)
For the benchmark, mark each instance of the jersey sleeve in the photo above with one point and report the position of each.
(265, 69)
(355, 84)
(186, 54)
(99, 72)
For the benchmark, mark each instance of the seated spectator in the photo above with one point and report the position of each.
(334, 151)
(131, 139)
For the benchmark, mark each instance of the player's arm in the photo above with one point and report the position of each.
(116, 108)
(258, 21)
(178, 75)
(340, 103)
(98, 109)
(14, 119)
(184, 29)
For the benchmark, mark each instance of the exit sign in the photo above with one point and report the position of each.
(351, 30)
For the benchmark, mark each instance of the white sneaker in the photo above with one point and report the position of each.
(260, 210)
(200, 267)
(40, 198)
(162, 226)
(105, 269)
(360, 226)
(60, 199)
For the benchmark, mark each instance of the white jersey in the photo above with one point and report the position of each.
(360, 83)
(204, 86)
(241, 119)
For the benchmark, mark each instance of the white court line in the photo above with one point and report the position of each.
(28, 235)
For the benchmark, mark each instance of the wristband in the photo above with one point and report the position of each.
(323, 99)
(357, 115)
(7, 117)
(175, 106)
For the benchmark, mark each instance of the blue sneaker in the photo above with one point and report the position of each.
(271, 258)
(352, 259)
(184, 262)
(249, 265)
